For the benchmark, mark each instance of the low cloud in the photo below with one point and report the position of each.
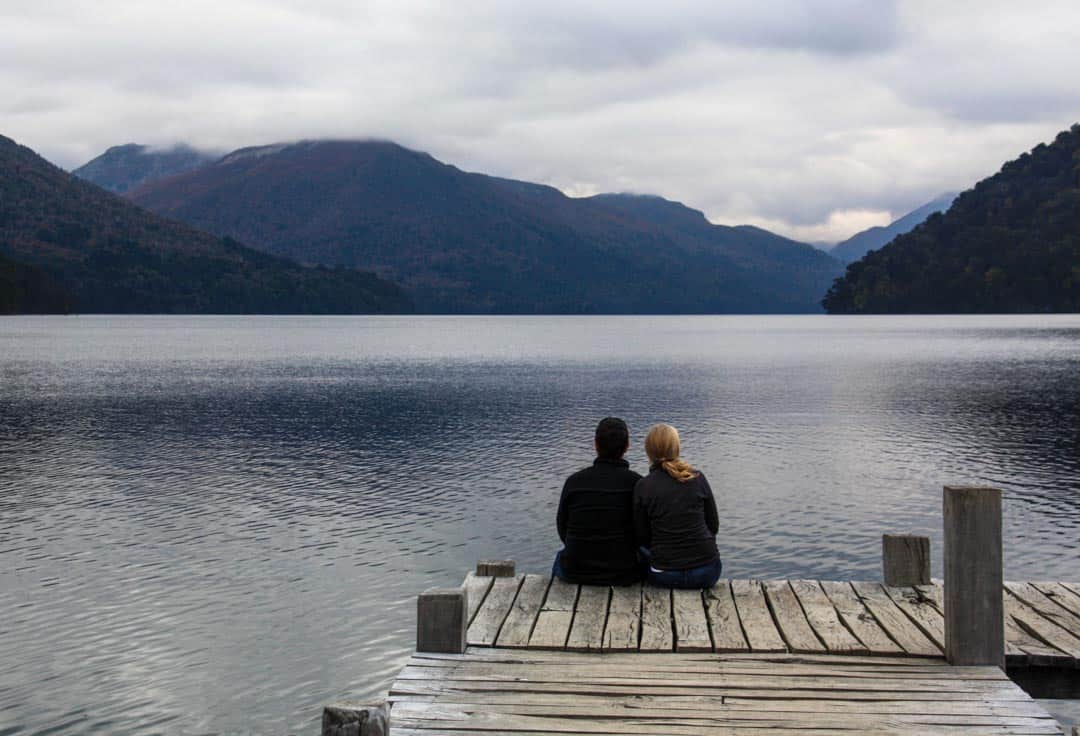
(811, 118)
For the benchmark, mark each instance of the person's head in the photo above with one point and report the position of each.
(662, 447)
(612, 438)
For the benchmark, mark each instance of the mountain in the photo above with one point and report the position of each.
(1011, 244)
(122, 168)
(873, 238)
(469, 243)
(68, 245)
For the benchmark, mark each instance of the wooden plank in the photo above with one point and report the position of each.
(476, 588)
(656, 634)
(727, 633)
(857, 617)
(1048, 608)
(1041, 628)
(757, 622)
(518, 626)
(587, 630)
(624, 618)
(929, 619)
(1060, 595)
(825, 619)
(933, 595)
(484, 628)
(894, 621)
(790, 619)
(691, 625)
(556, 614)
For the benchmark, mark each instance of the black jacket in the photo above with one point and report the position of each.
(596, 524)
(676, 521)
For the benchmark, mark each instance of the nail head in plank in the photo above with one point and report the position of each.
(691, 625)
(757, 622)
(727, 633)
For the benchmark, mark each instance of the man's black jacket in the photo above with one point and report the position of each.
(596, 524)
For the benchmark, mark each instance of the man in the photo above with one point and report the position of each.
(596, 516)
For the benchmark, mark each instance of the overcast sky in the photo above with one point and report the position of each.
(814, 119)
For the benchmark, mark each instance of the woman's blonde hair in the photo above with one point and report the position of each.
(662, 447)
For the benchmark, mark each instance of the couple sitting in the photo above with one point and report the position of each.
(618, 528)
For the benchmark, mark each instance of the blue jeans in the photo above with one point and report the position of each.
(556, 567)
(693, 579)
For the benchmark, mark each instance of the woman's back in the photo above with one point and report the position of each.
(677, 521)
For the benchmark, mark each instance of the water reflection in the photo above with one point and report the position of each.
(217, 524)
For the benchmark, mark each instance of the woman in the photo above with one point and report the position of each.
(675, 517)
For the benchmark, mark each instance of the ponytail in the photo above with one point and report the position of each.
(662, 447)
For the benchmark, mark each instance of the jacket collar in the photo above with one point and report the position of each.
(620, 463)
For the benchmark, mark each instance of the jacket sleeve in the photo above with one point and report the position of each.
(642, 529)
(563, 514)
(712, 518)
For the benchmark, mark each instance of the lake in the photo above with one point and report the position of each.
(219, 524)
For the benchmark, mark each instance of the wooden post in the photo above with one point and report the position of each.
(441, 620)
(905, 560)
(974, 607)
(356, 719)
(496, 568)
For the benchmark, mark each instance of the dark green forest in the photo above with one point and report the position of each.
(69, 246)
(1009, 245)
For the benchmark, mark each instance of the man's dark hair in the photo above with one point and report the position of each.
(612, 438)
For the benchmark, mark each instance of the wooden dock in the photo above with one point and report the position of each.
(506, 653)
(1042, 619)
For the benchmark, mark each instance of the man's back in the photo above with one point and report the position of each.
(596, 524)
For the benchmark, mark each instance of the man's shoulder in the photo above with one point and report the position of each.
(591, 473)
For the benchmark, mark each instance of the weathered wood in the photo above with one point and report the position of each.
(895, 623)
(790, 618)
(587, 629)
(824, 618)
(1042, 628)
(1046, 607)
(924, 615)
(974, 612)
(1030, 654)
(691, 625)
(553, 623)
(1061, 595)
(356, 719)
(757, 621)
(857, 617)
(905, 559)
(727, 633)
(518, 626)
(476, 590)
(656, 633)
(493, 691)
(441, 616)
(624, 618)
(484, 629)
(496, 568)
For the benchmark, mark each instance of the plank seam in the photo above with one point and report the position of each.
(799, 603)
(607, 615)
(510, 608)
(738, 617)
(573, 615)
(671, 618)
(641, 610)
(536, 618)
(880, 623)
(925, 631)
(708, 623)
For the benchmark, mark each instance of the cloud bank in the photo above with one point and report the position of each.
(814, 118)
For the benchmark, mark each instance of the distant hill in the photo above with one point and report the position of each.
(469, 243)
(873, 238)
(122, 168)
(68, 245)
(1011, 244)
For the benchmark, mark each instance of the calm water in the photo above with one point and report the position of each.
(216, 525)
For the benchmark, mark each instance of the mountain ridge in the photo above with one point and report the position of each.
(107, 255)
(468, 242)
(873, 238)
